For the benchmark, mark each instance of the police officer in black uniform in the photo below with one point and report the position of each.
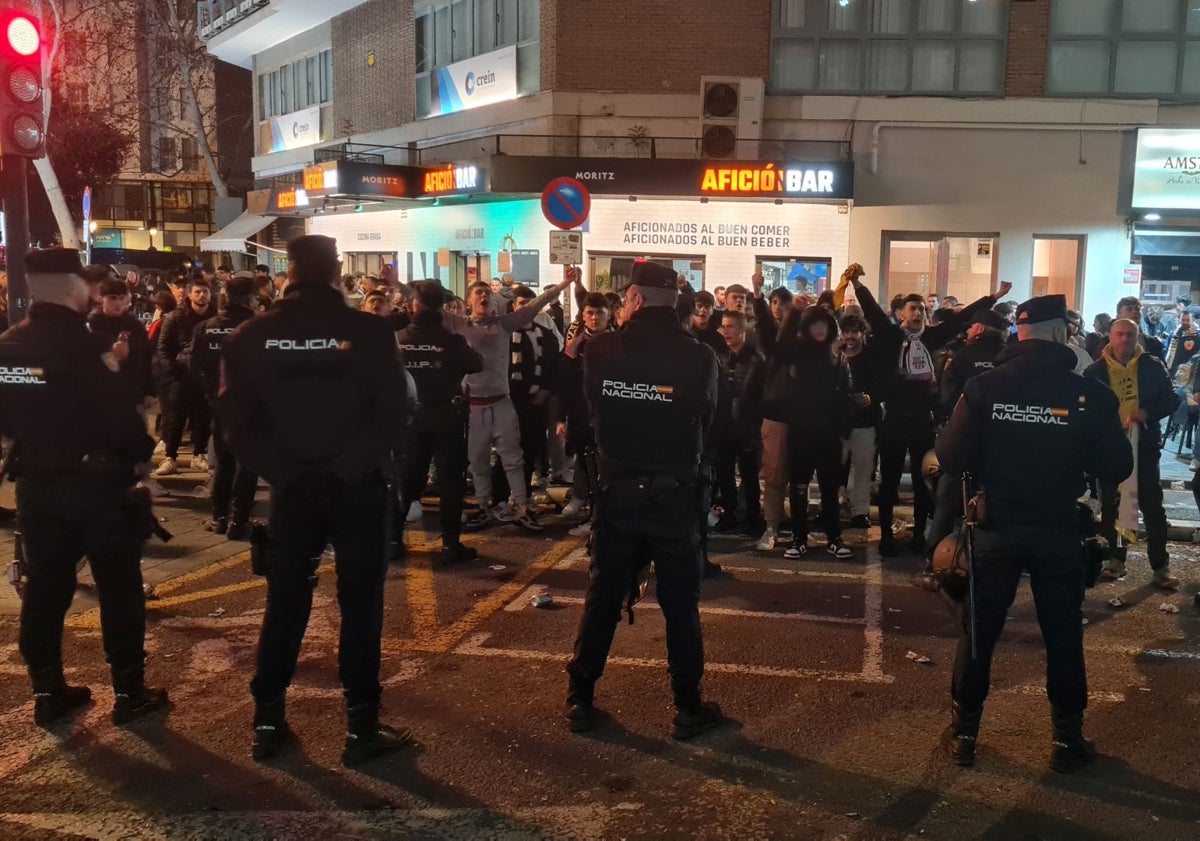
(233, 484)
(79, 447)
(437, 360)
(314, 399)
(1028, 432)
(652, 390)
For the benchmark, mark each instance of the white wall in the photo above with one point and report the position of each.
(615, 226)
(987, 181)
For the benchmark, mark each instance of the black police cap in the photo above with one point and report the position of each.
(648, 275)
(1042, 308)
(430, 293)
(990, 318)
(54, 261)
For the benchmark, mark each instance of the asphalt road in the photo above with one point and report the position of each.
(833, 730)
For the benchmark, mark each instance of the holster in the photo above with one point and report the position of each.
(138, 507)
(1095, 547)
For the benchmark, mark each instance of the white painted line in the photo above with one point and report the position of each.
(803, 572)
(1172, 655)
(522, 600)
(1040, 691)
(713, 610)
(474, 646)
(873, 614)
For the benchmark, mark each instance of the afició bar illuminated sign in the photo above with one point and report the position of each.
(451, 179)
(767, 180)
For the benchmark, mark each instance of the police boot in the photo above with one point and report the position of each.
(959, 738)
(53, 699)
(580, 712)
(270, 729)
(691, 721)
(367, 739)
(239, 529)
(217, 525)
(1071, 751)
(455, 552)
(134, 699)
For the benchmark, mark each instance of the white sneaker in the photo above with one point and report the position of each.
(414, 512)
(200, 463)
(581, 530)
(160, 449)
(503, 513)
(535, 481)
(167, 468)
(767, 542)
(573, 508)
(713, 518)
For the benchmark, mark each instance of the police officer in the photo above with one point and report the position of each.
(438, 360)
(79, 446)
(314, 398)
(652, 390)
(1028, 432)
(233, 484)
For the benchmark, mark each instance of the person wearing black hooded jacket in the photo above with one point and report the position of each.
(909, 394)
(818, 412)
(233, 484)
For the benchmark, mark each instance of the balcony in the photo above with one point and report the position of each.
(236, 30)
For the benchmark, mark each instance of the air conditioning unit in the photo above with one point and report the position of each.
(731, 111)
(244, 6)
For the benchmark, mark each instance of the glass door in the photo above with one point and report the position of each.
(1058, 267)
(800, 275)
(959, 265)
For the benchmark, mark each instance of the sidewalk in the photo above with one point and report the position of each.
(182, 513)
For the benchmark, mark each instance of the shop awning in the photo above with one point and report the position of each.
(234, 236)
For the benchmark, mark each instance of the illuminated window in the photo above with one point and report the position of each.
(942, 47)
(1133, 48)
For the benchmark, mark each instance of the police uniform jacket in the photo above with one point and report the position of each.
(138, 367)
(62, 396)
(972, 359)
(438, 360)
(204, 362)
(652, 390)
(312, 387)
(1029, 430)
(1156, 395)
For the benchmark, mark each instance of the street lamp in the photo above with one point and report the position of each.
(153, 233)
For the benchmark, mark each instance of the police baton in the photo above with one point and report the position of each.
(969, 516)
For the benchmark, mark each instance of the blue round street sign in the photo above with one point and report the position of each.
(87, 203)
(566, 203)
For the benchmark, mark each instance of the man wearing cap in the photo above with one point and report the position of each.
(314, 398)
(1033, 416)
(652, 390)
(233, 485)
(79, 446)
(1146, 396)
(985, 342)
(437, 360)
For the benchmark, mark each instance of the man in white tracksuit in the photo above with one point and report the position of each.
(493, 419)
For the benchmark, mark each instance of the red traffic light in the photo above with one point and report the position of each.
(22, 36)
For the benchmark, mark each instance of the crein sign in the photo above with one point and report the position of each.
(451, 179)
(767, 180)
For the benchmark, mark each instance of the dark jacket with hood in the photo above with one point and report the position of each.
(175, 342)
(818, 383)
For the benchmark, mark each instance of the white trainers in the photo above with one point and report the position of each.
(200, 463)
(713, 518)
(573, 508)
(581, 530)
(767, 542)
(414, 512)
(503, 513)
(160, 449)
(167, 468)
(535, 481)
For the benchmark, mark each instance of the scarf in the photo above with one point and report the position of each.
(1122, 379)
(915, 362)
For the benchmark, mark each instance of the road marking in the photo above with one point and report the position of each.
(809, 573)
(446, 638)
(873, 613)
(474, 647)
(714, 610)
(173, 584)
(422, 598)
(1040, 691)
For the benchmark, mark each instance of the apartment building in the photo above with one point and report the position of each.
(943, 144)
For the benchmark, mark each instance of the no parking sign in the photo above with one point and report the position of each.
(566, 203)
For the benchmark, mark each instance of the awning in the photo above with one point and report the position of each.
(234, 236)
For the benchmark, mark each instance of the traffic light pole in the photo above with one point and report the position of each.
(16, 223)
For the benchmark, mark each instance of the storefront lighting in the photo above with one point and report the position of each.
(358, 208)
(1152, 217)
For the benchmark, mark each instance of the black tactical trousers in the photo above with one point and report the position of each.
(1150, 501)
(823, 454)
(446, 446)
(624, 540)
(233, 485)
(62, 521)
(183, 402)
(305, 517)
(1054, 558)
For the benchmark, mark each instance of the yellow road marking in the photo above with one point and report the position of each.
(187, 578)
(422, 598)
